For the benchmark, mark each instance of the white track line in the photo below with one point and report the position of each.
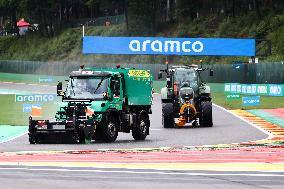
(270, 135)
(266, 174)
(32, 84)
(10, 139)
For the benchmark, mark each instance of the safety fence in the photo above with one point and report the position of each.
(266, 73)
(261, 73)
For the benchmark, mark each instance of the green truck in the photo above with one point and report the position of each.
(97, 104)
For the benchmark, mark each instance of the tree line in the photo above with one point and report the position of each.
(143, 17)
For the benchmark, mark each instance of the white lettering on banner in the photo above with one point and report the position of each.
(244, 89)
(19, 98)
(233, 87)
(30, 98)
(276, 90)
(134, 42)
(253, 89)
(183, 47)
(262, 89)
(195, 44)
(239, 88)
(172, 44)
(160, 46)
(166, 46)
(249, 89)
(51, 97)
(227, 87)
(144, 45)
(39, 98)
(35, 98)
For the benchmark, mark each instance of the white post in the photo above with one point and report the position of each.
(83, 31)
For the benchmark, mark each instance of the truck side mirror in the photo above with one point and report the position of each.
(59, 89)
(210, 72)
(160, 75)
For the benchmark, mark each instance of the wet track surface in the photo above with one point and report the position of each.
(233, 168)
(227, 129)
(46, 177)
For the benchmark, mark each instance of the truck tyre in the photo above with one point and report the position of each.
(81, 136)
(205, 118)
(110, 129)
(167, 115)
(32, 140)
(98, 134)
(141, 129)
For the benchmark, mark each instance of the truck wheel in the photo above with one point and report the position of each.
(205, 118)
(110, 130)
(141, 129)
(167, 117)
(81, 136)
(78, 137)
(32, 140)
(98, 134)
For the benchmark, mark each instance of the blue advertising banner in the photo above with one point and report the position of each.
(45, 79)
(275, 90)
(169, 46)
(255, 89)
(251, 101)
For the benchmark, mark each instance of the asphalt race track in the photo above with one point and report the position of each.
(45, 177)
(31, 172)
(227, 129)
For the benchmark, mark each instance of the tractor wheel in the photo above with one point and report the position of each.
(141, 129)
(110, 129)
(167, 115)
(205, 118)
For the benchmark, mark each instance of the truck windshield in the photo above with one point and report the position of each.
(86, 87)
(186, 77)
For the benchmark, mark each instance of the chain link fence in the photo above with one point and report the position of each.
(223, 73)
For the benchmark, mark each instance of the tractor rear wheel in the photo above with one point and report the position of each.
(205, 118)
(167, 115)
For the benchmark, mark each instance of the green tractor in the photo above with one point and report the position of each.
(186, 97)
(96, 105)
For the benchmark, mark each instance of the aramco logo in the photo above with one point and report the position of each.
(166, 46)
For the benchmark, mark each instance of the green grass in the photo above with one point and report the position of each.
(12, 112)
(266, 102)
(66, 46)
(219, 97)
(28, 78)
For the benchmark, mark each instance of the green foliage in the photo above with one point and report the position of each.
(65, 46)
(141, 17)
(186, 9)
